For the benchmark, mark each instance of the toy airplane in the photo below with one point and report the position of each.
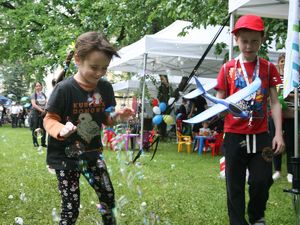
(221, 105)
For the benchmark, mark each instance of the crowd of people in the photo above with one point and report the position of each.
(15, 114)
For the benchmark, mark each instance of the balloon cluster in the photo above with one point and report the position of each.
(158, 109)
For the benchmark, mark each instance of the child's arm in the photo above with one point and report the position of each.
(278, 142)
(221, 94)
(119, 116)
(56, 129)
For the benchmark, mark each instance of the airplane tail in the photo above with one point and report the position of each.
(199, 86)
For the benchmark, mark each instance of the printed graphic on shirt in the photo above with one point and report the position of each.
(87, 128)
(253, 103)
(87, 136)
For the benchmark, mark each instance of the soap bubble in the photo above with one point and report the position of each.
(38, 132)
(19, 220)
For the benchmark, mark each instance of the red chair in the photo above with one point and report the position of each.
(216, 145)
(109, 134)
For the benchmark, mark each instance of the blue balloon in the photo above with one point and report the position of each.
(157, 119)
(162, 106)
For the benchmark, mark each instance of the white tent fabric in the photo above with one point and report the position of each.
(267, 8)
(171, 54)
(130, 86)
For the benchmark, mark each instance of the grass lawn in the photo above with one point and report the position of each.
(173, 189)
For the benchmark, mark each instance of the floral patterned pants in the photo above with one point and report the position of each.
(68, 185)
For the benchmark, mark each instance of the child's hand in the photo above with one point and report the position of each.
(125, 113)
(278, 144)
(67, 130)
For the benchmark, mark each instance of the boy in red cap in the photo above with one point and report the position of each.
(247, 142)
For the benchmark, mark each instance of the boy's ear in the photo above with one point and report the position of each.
(235, 37)
(77, 59)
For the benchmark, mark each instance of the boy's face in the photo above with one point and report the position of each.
(249, 42)
(93, 67)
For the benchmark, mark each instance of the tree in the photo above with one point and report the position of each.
(14, 81)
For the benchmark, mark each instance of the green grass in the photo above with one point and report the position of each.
(178, 188)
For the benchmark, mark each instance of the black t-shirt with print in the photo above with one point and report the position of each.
(84, 109)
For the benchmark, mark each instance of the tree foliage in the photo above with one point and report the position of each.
(15, 82)
(37, 33)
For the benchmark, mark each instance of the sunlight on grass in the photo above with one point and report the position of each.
(173, 189)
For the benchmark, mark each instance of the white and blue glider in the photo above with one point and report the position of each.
(221, 105)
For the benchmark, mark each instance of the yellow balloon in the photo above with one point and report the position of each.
(168, 119)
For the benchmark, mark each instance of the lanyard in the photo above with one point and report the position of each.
(244, 72)
(245, 76)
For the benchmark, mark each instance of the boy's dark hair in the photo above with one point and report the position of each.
(85, 44)
(93, 41)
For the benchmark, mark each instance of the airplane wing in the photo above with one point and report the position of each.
(197, 92)
(217, 108)
(210, 112)
(245, 92)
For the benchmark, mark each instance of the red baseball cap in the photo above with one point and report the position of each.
(251, 22)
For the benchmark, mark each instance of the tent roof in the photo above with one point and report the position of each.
(267, 8)
(133, 85)
(171, 54)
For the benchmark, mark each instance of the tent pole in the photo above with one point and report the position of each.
(231, 36)
(143, 101)
(296, 119)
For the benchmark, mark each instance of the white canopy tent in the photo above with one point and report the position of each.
(134, 85)
(268, 8)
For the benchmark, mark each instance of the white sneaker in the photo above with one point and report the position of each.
(50, 170)
(276, 175)
(289, 177)
(260, 222)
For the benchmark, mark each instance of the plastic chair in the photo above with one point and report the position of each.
(183, 140)
(109, 134)
(215, 146)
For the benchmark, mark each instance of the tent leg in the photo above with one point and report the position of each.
(295, 191)
(142, 111)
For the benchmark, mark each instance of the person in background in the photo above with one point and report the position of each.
(77, 108)
(1, 114)
(182, 114)
(288, 128)
(38, 102)
(199, 105)
(21, 116)
(15, 110)
(205, 130)
(247, 143)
